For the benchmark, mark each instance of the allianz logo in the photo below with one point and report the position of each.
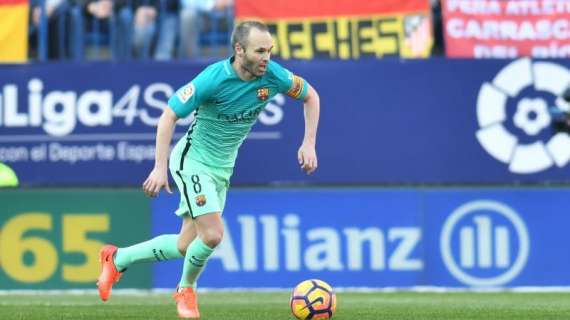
(60, 112)
(484, 243)
(273, 243)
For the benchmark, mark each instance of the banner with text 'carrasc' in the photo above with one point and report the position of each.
(344, 29)
(50, 239)
(507, 29)
(382, 238)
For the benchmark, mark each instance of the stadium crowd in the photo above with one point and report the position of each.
(129, 29)
(144, 29)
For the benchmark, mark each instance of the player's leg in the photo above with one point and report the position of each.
(187, 234)
(114, 261)
(199, 192)
(210, 229)
(161, 248)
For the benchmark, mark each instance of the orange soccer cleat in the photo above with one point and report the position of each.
(109, 273)
(186, 303)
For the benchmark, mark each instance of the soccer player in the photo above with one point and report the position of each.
(227, 97)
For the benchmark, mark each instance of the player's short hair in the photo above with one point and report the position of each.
(241, 32)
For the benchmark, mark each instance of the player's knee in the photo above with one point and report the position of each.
(182, 246)
(183, 243)
(212, 238)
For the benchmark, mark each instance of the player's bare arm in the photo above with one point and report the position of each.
(307, 154)
(158, 177)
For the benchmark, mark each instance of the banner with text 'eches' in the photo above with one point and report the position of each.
(507, 29)
(344, 29)
(13, 30)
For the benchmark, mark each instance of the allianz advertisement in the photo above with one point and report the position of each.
(383, 238)
(382, 121)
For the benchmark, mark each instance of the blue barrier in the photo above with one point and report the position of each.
(387, 121)
(383, 237)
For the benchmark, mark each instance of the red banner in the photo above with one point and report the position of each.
(507, 28)
(13, 2)
(344, 29)
(278, 9)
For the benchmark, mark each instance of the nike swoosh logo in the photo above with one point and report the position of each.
(319, 299)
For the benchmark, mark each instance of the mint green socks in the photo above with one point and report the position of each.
(197, 255)
(161, 248)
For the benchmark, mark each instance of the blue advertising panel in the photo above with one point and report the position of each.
(382, 121)
(495, 237)
(383, 238)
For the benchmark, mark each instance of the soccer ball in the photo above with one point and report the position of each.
(313, 299)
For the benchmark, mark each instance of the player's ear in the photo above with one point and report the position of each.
(239, 49)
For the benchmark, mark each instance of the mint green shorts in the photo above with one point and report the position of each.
(202, 188)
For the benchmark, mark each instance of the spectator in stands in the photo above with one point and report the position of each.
(100, 9)
(190, 20)
(167, 29)
(143, 27)
(438, 45)
(136, 27)
(94, 21)
(56, 11)
(136, 23)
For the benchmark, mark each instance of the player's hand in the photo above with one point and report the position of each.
(307, 157)
(157, 179)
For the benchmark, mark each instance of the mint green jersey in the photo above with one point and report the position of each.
(227, 107)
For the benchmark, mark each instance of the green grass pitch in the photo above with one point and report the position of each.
(274, 305)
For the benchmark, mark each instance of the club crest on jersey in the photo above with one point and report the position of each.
(185, 93)
(262, 94)
(200, 200)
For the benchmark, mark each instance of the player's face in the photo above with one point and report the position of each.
(258, 52)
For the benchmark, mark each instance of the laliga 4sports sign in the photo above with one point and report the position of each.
(420, 121)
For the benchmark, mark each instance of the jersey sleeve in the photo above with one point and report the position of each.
(289, 83)
(192, 95)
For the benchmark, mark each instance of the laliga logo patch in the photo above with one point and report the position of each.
(200, 200)
(531, 116)
(262, 94)
(185, 93)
